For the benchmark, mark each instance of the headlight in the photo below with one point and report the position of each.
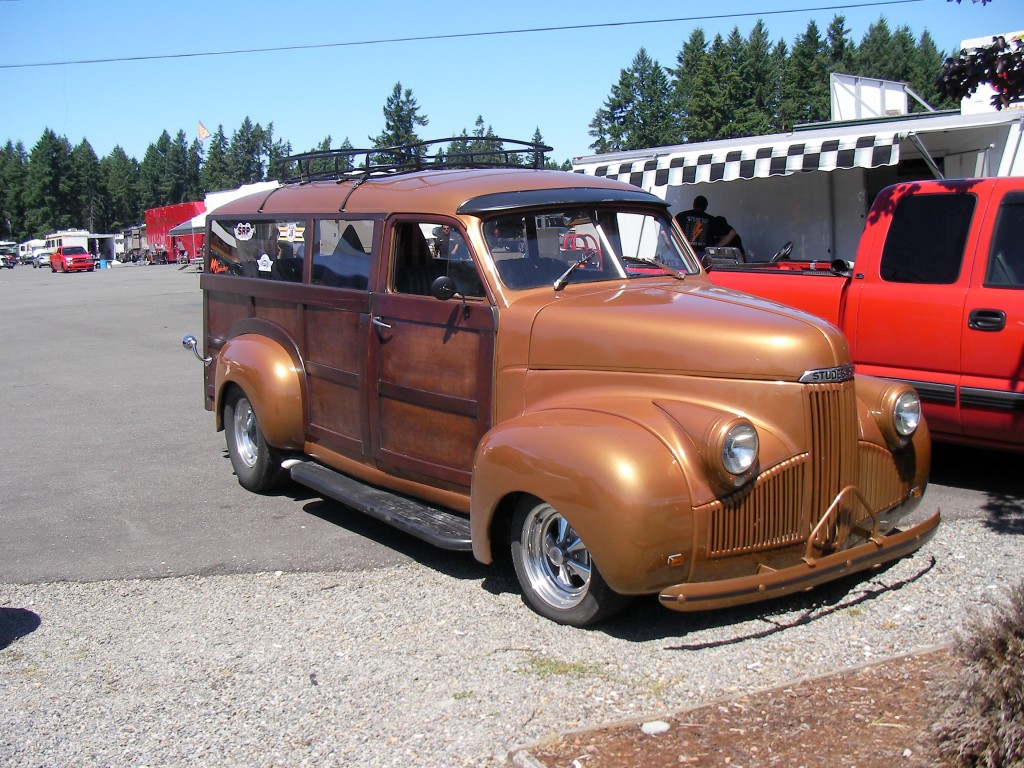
(906, 413)
(739, 449)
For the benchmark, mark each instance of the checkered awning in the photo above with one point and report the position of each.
(703, 163)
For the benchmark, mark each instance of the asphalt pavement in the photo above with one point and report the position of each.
(111, 467)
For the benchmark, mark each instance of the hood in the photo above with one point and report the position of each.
(695, 329)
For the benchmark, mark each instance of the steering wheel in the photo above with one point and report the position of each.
(783, 253)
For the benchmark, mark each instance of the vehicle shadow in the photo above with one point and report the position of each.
(994, 473)
(15, 623)
(459, 565)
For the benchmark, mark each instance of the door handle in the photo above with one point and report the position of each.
(380, 323)
(986, 320)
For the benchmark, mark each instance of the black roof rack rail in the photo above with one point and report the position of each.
(454, 152)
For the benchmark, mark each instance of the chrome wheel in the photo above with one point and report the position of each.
(246, 432)
(556, 562)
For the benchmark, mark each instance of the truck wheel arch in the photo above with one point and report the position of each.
(619, 485)
(265, 365)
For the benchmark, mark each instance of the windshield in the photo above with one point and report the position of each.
(537, 248)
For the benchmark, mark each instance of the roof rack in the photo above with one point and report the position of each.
(453, 152)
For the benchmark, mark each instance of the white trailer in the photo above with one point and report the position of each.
(815, 185)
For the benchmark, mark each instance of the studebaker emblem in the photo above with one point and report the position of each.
(827, 375)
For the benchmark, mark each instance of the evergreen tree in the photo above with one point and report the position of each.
(902, 53)
(119, 176)
(759, 78)
(174, 179)
(689, 61)
(924, 72)
(277, 153)
(245, 155)
(153, 172)
(805, 89)
(401, 117)
(13, 176)
(840, 48)
(638, 112)
(874, 51)
(709, 113)
(49, 186)
(216, 174)
(193, 171)
(89, 194)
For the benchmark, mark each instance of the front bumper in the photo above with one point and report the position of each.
(805, 574)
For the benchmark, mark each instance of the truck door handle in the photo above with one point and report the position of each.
(380, 323)
(986, 320)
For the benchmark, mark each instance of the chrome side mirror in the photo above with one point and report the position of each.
(190, 342)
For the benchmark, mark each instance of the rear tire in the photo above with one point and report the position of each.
(559, 579)
(257, 465)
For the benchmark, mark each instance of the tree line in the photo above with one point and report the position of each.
(728, 87)
(736, 86)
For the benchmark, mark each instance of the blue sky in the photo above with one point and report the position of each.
(555, 80)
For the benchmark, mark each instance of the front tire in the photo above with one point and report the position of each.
(257, 465)
(558, 577)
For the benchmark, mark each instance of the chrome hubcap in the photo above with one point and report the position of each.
(556, 561)
(245, 432)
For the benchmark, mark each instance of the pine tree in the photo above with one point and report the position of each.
(925, 70)
(49, 190)
(874, 51)
(216, 174)
(245, 153)
(689, 60)
(709, 113)
(13, 176)
(638, 112)
(401, 117)
(759, 78)
(119, 175)
(841, 50)
(805, 90)
(90, 197)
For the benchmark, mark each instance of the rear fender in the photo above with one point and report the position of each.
(268, 374)
(618, 484)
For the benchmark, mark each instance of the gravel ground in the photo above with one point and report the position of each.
(433, 663)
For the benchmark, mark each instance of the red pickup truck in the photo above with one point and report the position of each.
(935, 298)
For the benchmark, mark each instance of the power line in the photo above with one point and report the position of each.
(453, 36)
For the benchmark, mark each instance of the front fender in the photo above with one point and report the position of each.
(618, 484)
(266, 372)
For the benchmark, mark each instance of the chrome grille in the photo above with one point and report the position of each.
(785, 503)
(832, 435)
(766, 515)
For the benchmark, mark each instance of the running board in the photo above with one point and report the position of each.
(436, 525)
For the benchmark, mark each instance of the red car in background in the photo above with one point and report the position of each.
(71, 258)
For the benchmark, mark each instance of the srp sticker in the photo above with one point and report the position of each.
(244, 231)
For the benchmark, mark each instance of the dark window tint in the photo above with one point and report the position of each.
(268, 250)
(341, 253)
(926, 239)
(1006, 259)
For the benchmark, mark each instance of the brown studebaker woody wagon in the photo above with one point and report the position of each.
(523, 361)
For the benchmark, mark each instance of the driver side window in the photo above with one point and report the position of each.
(424, 251)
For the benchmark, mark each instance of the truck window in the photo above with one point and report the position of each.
(341, 253)
(1006, 259)
(425, 251)
(267, 250)
(926, 239)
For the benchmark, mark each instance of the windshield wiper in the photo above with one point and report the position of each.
(652, 263)
(559, 284)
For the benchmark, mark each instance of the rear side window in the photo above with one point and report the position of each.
(341, 253)
(266, 250)
(926, 239)
(1006, 259)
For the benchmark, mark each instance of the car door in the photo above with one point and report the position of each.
(434, 359)
(909, 302)
(992, 387)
